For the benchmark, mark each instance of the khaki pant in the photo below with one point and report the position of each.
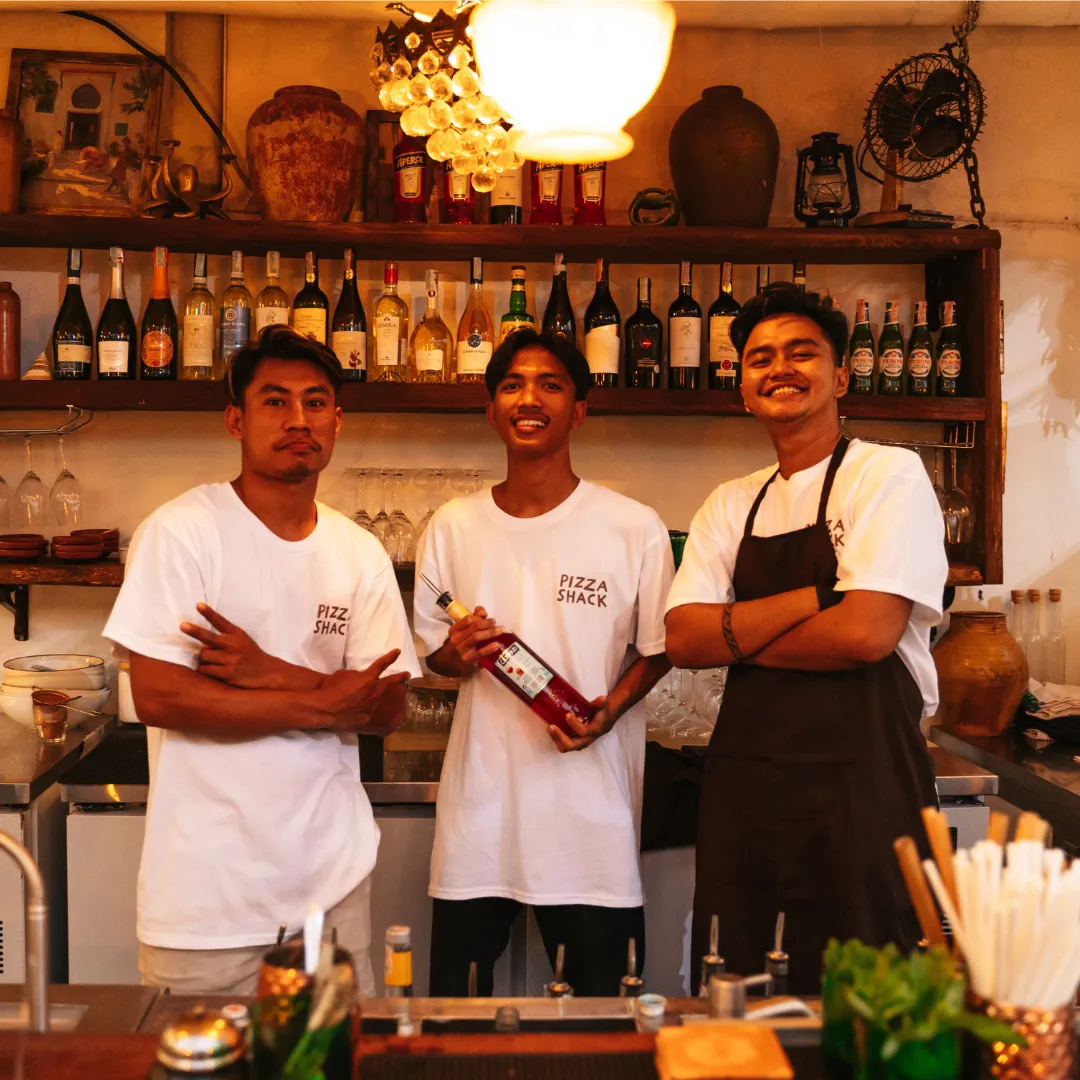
(236, 971)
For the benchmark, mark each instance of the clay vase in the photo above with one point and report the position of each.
(724, 151)
(982, 674)
(11, 139)
(304, 147)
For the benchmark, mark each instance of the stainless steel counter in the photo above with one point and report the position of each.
(957, 778)
(28, 766)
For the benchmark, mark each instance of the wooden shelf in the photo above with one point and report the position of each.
(499, 243)
(959, 574)
(105, 396)
(50, 571)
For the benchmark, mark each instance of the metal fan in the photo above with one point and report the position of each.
(922, 120)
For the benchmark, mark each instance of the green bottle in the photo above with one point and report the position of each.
(891, 352)
(861, 352)
(948, 351)
(518, 316)
(920, 355)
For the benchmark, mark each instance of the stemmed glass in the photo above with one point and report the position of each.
(428, 484)
(958, 511)
(5, 503)
(66, 495)
(31, 497)
(381, 521)
(362, 517)
(399, 540)
(934, 473)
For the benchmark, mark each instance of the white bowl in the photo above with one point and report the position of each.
(56, 671)
(21, 708)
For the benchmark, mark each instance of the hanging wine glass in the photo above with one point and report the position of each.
(473, 480)
(362, 517)
(958, 511)
(429, 483)
(66, 495)
(381, 522)
(31, 498)
(398, 484)
(5, 504)
(400, 540)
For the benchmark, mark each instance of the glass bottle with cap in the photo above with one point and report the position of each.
(1054, 641)
(397, 976)
(631, 985)
(712, 963)
(776, 960)
(1033, 639)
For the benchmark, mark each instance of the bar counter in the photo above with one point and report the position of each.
(28, 766)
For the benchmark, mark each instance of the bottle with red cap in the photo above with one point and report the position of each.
(410, 181)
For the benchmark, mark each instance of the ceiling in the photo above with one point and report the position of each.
(758, 14)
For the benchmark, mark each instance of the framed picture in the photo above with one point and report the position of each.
(90, 129)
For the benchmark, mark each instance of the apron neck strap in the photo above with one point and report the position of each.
(826, 488)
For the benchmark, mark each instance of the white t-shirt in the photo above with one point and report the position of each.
(242, 835)
(886, 527)
(584, 586)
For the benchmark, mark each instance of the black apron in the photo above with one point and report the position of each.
(809, 777)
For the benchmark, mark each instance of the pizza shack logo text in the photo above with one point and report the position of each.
(331, 619)
(582, 590)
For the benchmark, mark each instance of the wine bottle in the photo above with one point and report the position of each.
(948, 352)
(197, 344)
(272, 304)
(684, 335)
(506, 198)
(459, 200)
(602, 331)
(920, 354)
(724, 366)
(644, 342)
(861, 351)
(235, 314)
(764, 273)
(517, 317)
(528, 676)
(391, 321)
(891, 352)
(311, 309)
(117, 340)
(432, 346)
(410, 181)
(546, 188)
(72, 334)
(475, 336)
(160, 332)
(559, 314)
(348, 338)
(590, 184)
(798, 275)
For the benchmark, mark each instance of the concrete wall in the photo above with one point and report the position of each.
(808, 80)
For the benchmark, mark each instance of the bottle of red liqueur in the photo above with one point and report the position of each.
(546, 193)
(458, 199)
(590, 187)
(410, 181)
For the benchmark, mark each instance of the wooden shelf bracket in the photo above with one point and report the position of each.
(16, 599)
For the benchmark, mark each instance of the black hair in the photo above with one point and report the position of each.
(278, 342)
(783, 298)
(566, 352)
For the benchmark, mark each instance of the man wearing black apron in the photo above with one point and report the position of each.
(816, 582)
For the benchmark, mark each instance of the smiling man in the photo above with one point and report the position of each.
(816, 581)
(527, 814)
(256, 809)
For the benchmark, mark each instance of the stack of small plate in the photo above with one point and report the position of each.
(109, 537)
(78, 548)
(22, 547)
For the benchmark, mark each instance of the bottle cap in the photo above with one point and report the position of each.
(399, 935)
(1017, 596)
(1034, 596)
(1055, 596)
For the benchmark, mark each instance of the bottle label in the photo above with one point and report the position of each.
(113, 357)
(398, 968)
(388, 340)
(523, 669)
(920, 363)
(157, 349)
(72, 357)
(508, 326)
(550, 182)
(949, 363)
(892, 363)
(722, 354)
(430, 359)
(198, 346)
(862, 361)
(269, 316)
(350, 347)
(507, 190)
(473, 355)
(602, 350)
(410, 176)
(311, 323)
(592, 183)
(685, 337)
(235, 330)
(459, 185)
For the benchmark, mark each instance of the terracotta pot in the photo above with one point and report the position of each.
(304, 147)
(982, 674)
(11, 138)
(724, 152)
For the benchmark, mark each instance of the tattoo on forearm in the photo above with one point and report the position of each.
(729, 634)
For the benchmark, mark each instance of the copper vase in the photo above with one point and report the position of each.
(304, 147)
(1051, 1051)
(982, 674)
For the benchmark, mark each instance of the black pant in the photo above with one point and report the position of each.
(596, 940)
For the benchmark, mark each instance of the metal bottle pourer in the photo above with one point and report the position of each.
(712, 963)
(471, 992)
(559, 987)
(776, 961)
(630, 986)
